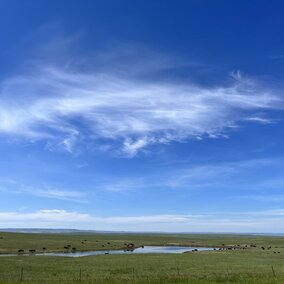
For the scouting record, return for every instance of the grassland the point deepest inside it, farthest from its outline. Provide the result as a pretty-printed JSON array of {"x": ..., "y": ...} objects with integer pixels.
[{"x": 250, "y": 265}]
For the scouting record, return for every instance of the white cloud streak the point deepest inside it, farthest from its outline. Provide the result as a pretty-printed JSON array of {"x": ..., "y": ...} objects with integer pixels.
[
  {"x": 262, "y": 221},
  {"x": 221, "y": 174},
  {"x": 206, "y": 176},
  {"x": 67, "y": 108},
  {"x": 14, "y": 187}
]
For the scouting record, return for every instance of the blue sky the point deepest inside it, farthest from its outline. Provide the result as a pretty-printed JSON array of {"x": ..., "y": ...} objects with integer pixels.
[{"x": 142, "y": 115}]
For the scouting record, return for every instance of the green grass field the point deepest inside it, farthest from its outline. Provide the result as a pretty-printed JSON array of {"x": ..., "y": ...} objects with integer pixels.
[{"x": 251, "y": 265}]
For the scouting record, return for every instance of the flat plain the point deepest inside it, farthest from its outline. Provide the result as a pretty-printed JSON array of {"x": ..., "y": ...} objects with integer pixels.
[{"x": 237, "y": 259}]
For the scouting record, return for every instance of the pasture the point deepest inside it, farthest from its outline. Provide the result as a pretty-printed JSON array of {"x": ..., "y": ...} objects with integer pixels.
[{"x": 253, "y": 262}]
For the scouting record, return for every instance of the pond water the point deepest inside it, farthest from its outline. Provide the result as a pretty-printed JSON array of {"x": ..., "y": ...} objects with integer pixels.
[{"x": 146, "y": 249}]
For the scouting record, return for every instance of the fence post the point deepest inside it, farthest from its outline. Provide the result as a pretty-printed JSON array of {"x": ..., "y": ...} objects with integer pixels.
[
  {"x": 21, "y": 277},
  {"x": 274, "y": 274},
  {"x": 80, "y": 275},
  {"x": 133, "y": 275}
]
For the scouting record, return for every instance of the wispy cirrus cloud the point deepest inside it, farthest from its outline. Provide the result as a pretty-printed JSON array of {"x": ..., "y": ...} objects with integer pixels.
[
  {"x": 279, "y": 56},
  {"x": 67, "y": 109},
  {"x": 267, "y": 198},
  {"x": 15, "y": 187},
  {"x": 220, "y": 174},
  {"x": 208, "y": 176}
]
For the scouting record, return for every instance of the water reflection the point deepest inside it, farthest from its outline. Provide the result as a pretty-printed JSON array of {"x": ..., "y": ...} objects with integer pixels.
[{"x": 143, "y": 250}]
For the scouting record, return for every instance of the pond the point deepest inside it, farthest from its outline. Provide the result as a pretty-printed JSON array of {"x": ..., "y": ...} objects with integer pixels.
[{"x": 145, "y": 249}]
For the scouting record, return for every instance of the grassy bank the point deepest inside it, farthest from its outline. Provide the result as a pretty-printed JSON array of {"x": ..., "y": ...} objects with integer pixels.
[
  {"x": 12, "y": 242},
  {"x": 203, "y": 267},
  {"x": 252, "y": 265}
]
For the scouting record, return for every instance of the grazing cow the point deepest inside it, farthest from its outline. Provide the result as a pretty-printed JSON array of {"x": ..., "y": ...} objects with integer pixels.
[
  {"x": 32, "y": 250},
  {"x": 20, "y": 250}
]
